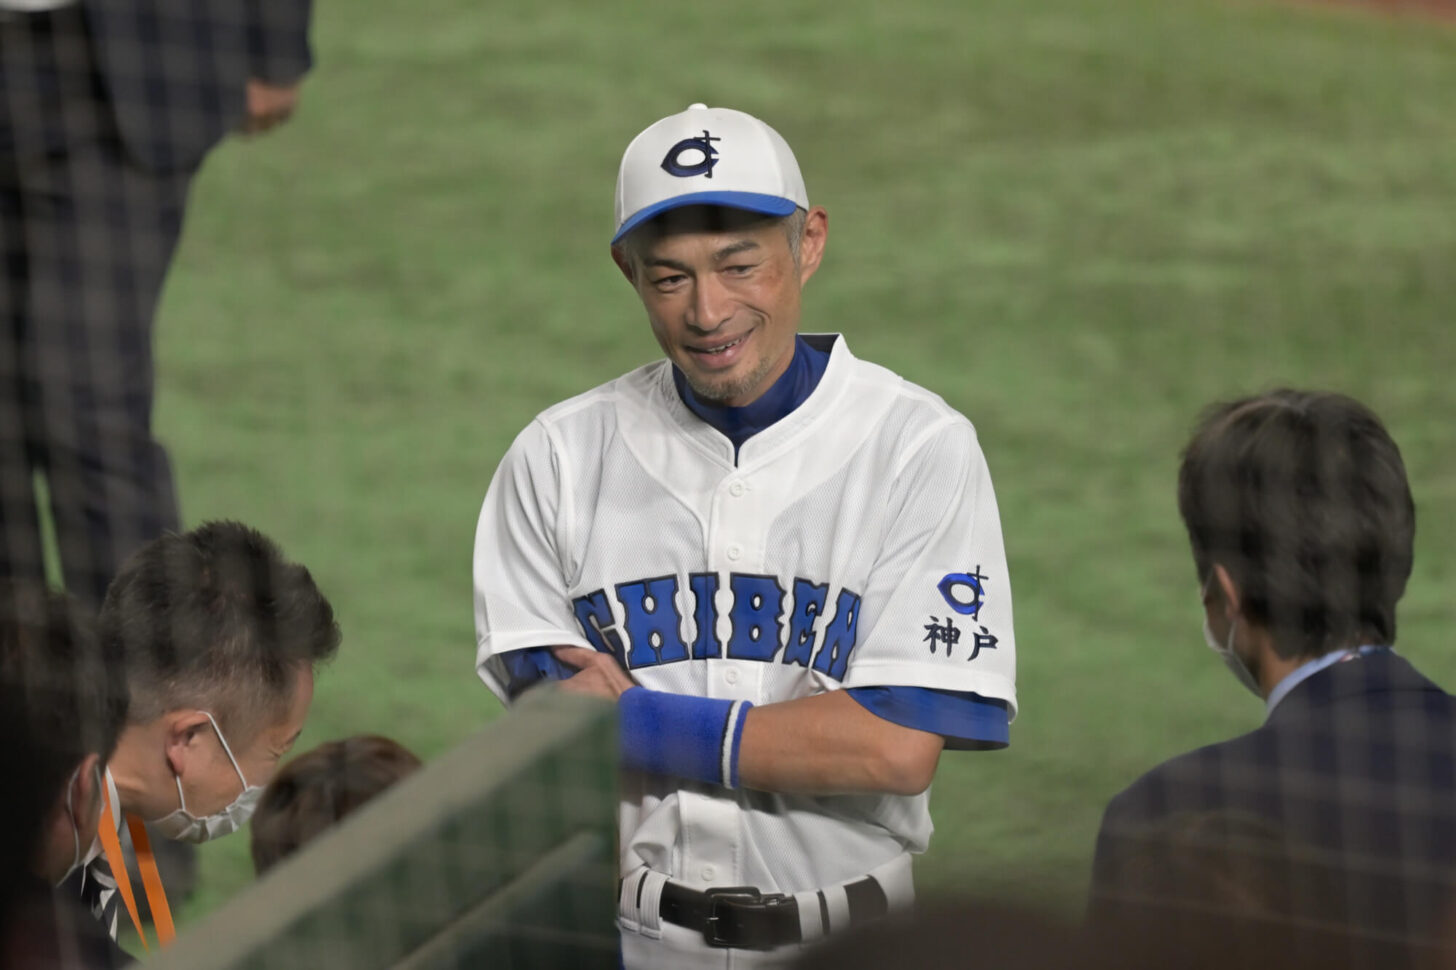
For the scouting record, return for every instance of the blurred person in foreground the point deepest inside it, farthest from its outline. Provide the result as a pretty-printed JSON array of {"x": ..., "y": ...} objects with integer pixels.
[
  {"x": 1301, "y": 523},
  {"x": 220, "y": 637},
  {"x": 63, "y": 701},
  {"x": 317, "y": 789},
  {"x": 995, "y": 934},
  {"x": 1003, "y": 934},
  {"x": 107, "y": 111}
]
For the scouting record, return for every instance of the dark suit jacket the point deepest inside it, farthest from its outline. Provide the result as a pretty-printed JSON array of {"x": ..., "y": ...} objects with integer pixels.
[
  {"x": 54, "y": 931},
  {"x": 175, "y": 70},
  {"x": 1353, "y": 777}
]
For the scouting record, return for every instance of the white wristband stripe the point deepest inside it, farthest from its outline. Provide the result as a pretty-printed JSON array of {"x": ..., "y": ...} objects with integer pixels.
[{"x": 730, "y": 731}]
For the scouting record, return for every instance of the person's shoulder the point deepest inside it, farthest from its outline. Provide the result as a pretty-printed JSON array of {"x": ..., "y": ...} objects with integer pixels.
[
  {"x": 913, "y": 415},
  {"x": 870, "y": 375},
  {"x": 1362, "y": 702},
  {"x": 1389, "y": 672},
  {"x": 1190, "y": 781},
  {"x": 586, "y": 422},
  {"x": 636, "y": 385}
]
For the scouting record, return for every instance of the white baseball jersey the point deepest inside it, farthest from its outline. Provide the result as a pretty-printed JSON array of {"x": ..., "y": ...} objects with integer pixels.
[{"x": 854, "y": 543}]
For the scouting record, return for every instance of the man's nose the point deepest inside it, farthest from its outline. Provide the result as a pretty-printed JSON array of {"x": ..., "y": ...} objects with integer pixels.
[{"x": 712, "y": 305}]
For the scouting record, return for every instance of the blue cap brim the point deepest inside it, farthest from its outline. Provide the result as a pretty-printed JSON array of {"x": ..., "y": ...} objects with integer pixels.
[{"x": 769, "y": 205}]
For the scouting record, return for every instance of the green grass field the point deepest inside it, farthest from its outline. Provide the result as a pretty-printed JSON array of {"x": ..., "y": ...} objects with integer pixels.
[{"x": 1078, "y": 220}]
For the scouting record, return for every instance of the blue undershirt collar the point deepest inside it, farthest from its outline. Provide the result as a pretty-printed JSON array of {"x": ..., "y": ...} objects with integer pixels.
[{"x": 785, "y": 394}]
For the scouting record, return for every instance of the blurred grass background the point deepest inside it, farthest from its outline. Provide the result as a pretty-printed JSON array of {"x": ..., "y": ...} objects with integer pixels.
[{"x": 1078, "y": 220}]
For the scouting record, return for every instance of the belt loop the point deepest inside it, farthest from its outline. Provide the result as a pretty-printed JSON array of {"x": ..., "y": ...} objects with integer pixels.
[
  {"x": 650, "y": 904},
  {"x": 812, "y": 923},
  {"x": 896, "y": 878},
  {"x": 639, "y": 902},
  {"x": 629, "y": 915},
  {"x": 835, "y": 901}
]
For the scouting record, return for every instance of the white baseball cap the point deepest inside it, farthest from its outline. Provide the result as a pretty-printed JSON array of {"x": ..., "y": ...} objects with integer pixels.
[{"x": 707, "y": 156}]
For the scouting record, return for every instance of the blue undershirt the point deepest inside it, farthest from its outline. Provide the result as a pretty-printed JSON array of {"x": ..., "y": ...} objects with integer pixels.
[
  {"x": 791, "y": 389},
  {"x": 965, "y": 720}
]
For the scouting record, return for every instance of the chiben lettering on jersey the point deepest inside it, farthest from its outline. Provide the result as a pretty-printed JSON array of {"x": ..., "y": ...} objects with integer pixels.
[{"x": 764, "y": 622}]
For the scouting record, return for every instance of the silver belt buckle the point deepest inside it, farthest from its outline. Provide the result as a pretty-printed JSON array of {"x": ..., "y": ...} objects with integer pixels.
[{"x": 714, "y": 935}]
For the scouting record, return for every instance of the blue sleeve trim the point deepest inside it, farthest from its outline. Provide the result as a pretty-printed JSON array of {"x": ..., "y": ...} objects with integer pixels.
[
  {"x": 529, "y": 666},
  {"x": 968, "y": 722}
]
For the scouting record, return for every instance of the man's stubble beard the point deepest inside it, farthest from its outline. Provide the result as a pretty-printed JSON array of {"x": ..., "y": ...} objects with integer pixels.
[{"x": 718, "y": 392}]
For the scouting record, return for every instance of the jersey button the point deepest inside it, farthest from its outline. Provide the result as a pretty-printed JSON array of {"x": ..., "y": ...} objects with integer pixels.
[
  {"x": 737, "y": 489},
  {"x": 730, "y": 677},
  {"x": 734, "y": 552},
  {"x": 709, "y": 873}
]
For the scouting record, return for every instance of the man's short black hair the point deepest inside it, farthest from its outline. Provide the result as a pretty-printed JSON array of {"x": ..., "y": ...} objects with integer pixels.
[
  {"x": 1303, "y": 498},
  {"x": 64, "y": 689},
  {"x": 216, "y": 619}
]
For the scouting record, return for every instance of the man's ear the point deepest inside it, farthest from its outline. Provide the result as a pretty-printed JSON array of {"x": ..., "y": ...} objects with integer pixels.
[
  {"x": 1230, "y": 592},
  {"x": 624, "y": 263},
  {"x": 812, "y": 243},
  {"x": 180, "y": 735},
  {"x": 86, "y": 798}
]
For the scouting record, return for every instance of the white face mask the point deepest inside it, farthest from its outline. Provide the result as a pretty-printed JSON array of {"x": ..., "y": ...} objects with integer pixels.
[
  {"x": 1232, "y": 660},
  {"x": 183, "y": 826}
]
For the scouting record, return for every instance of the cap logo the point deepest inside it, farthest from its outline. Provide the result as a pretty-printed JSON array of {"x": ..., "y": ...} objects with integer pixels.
[{"x": 708, "y": 157}]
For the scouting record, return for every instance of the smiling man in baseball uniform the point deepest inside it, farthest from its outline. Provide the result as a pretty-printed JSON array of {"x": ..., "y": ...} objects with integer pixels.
[{"x": 783, "y": 562}]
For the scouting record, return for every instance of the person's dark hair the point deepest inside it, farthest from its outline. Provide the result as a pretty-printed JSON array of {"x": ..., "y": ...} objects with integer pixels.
[
  {"x": 1303, "y": 498},
  {"x": 64, "y": 689},
  {"x": 216, "y": 619},
  {"x": 318, "y": 788}
]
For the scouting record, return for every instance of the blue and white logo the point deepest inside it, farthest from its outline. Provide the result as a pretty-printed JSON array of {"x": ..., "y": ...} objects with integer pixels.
[
  {"x": 964, "y": 592},
  {"x": 706, "y": 157}
]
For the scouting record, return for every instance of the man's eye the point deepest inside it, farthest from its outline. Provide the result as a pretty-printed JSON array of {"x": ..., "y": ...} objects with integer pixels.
[
  {"x": 672, "y": 280},
  {"x": 738, "y": 269}
]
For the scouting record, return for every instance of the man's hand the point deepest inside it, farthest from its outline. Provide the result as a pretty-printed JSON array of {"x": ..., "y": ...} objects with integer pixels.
[
  {"x": 597, "y": 674},
  {"x": 269, "y": 105}
]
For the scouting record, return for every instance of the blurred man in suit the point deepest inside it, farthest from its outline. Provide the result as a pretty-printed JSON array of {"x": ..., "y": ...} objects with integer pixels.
[
  {"x": 1302, "y": 525},
  {"x": 107, "y": 109}
]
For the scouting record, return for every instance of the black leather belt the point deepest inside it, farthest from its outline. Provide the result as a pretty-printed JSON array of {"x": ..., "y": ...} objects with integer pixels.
[{"x": 744, "y": 918}]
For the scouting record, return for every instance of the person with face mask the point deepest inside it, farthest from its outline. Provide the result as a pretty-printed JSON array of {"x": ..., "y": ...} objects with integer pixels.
[
  {"x": 220, "y": 636},
  {"x": 64, "y": 700},
  {"x": 1302, "y": 526}
]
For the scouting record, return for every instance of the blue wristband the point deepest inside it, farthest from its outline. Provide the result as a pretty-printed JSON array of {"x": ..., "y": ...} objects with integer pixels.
[{"x": 678, "y": 734}]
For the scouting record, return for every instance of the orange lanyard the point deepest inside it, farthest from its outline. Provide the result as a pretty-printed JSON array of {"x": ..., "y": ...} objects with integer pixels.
[{"x": 146, "y": 864}]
